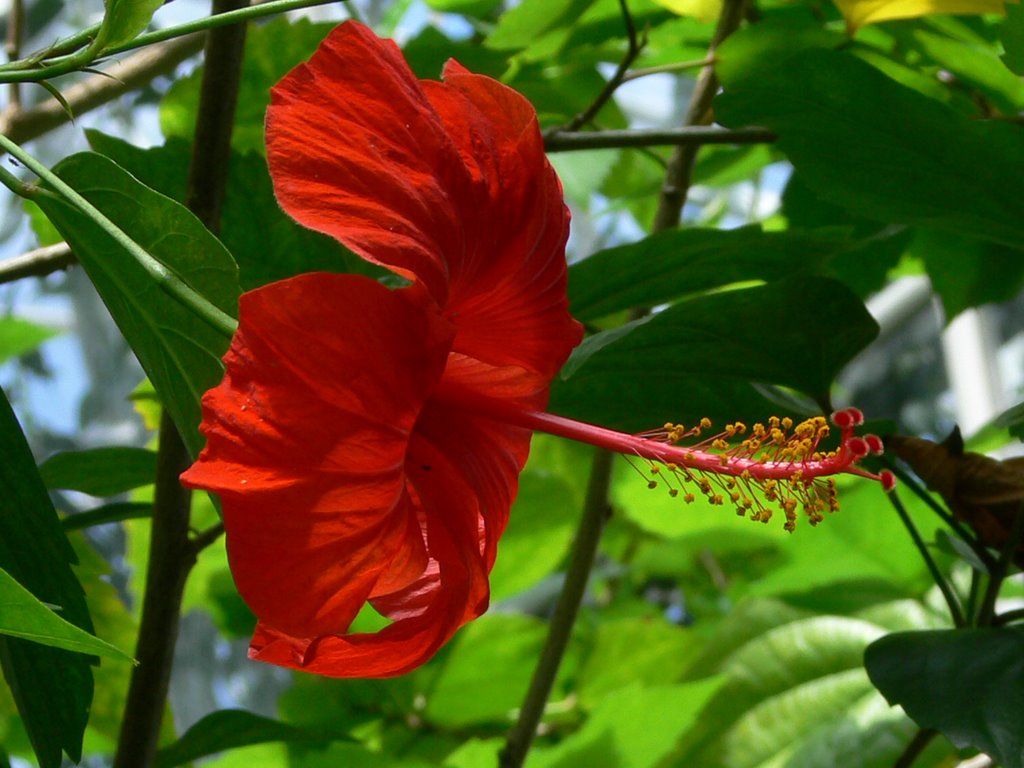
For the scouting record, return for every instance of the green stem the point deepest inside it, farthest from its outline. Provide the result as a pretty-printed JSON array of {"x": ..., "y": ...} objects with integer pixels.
[
  {"x": 161, "y": 275},
  {"x": 172, "y": 553},
  {"x": 30, "y": 70},
  {"x": 584, "y": 550},
  {"x": 213, "y": 22},
  {"x": 170, "y": 558},
  {"x": 1002, "y": 566},
  {"x": 952, "y": 601}
]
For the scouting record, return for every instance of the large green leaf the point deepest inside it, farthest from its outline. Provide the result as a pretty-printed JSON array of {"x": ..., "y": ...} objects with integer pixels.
[
  {"x": 636, "y": 727},
  {"x": 22, "y": 615},
  {"x": 19, "y": 336},
  {"x": 791, "y": 690},
  {"x": 266, "y": 243},
  {"x": 100, "y": 471},
  {"x": 966, "y": 683},
  {"x": 700, "y": 357},
  {"x": 229, "y": 729},
  {"x": 834, "y": 116},
  {"x": 178, "y": 350},
  {"x": 52, "y": 687},
  {"x": 507, "y": 647},
  {"x": 660, "y": 268}
]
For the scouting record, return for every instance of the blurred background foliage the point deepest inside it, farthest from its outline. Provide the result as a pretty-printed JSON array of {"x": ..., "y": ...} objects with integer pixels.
[{"x": 869, "y": 256}]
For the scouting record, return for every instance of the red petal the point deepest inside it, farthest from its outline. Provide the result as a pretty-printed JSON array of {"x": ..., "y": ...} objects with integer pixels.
[
  {"x": 356, "y": 152},
  {"x": 307, "y": 440},
  {"x": 447, "y": 183}
]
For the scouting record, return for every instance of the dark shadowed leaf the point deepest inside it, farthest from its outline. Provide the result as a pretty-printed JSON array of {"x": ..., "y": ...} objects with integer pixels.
[
  {"x": 179, "y": 351},
  {"x": 100, "y": 471},
  {"x": 698, "y": 357},
  {"x": 51, "y": 687},
  {"x": 966, "y": 683},
  {"x": 228, "y": 729},
  {"x": 665, "y": 266},
  {"x": 834, "y": 117}
]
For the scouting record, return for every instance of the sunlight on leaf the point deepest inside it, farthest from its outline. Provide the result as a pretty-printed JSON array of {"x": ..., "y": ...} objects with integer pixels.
[
  {"x": 22, "y": 615},
  {"x": 861, "y": 12},
  {"x": 702, "y": 10}
]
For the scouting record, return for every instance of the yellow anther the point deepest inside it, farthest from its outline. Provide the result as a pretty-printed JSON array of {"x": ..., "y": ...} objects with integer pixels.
[
  {"x": 688, "y": 498},
  {"x": 705, "y": 423}
]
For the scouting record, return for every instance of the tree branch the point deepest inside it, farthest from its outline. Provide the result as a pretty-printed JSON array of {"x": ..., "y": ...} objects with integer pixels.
[
  {"x": 695, "y": 135},
  {"x": 678, "y": 175},
  {"x": 172, "y": 552},
  {"x": 581, "y": 560},
  {"x": 37, "y": 263},
  {"x": 632, "y": 51}
]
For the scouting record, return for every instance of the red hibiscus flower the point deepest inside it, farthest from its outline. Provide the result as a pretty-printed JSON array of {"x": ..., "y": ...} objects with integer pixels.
[{"x": 366, "y": 443}]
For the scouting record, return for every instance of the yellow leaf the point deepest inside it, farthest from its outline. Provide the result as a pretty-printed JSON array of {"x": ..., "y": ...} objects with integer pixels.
[
  {"x": 702, "y": 10},
  {"x": 861, "y": 12}
]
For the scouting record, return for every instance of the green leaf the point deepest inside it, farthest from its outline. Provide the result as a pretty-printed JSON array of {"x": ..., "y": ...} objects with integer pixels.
[
  {"x": 504, "y": 645},
  {"x": 108, "y": 513},
  {"x": 271, "y": 50},
  {"x": 229, "y": 729},
  {"x": 833, "y": 115},
  {"x": 626, "y": 652},
  {"x": 966, "y": 683},
  {"x": 52, "y": 687},
  {"x": 699, "y": 357},
  {"x": 178, "y": 350},
  {"x": 543, "y": 518},
  {"x": 522, "y": 25},
  {"x": 22, "y": 615},
  {"x": 978, "y": 66},
  {"x": 478, "y": 8},
  {"x": 266, "y": 243},
  {"x": 1013, "y": 38},
  {"x": 787, "y": 691},
  {"x": 125, "y": 19},
  {"x": 967, "y": 273},
  {"x": 662, "y": 267},
  {"x": 100, "y": 471},
  {"x": 634, "y": 728},
  {"x": 19, "y": 336}
]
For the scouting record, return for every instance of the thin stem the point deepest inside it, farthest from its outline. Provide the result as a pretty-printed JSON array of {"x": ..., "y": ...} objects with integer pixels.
[
  {"x": 911, "y": 482},
  {"x": 12, "y": 46},
  {"x": 679, "y": 66},
  {"x": 1001, "y": 567},
  {"x": 124, "y": 76},
  {"x": 632, "y": 51},
  {"x": 215, "y": 21},
  {"x": 170, "y": 559},
  {"x": 172, "y": 551},
  {"x": 588, "y": 537},
  {"x": 581, "y": 560},
  {"x": 916, "y": 746},
  {"x": 694, "y": 135},
  {"x": 32, "y": 69},
  {"x": 1017, "y": 614},
  {"x": 676, "y": 185},
  {"x": 952, "y": 601},
  {"x": 161, "y": 275}
]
